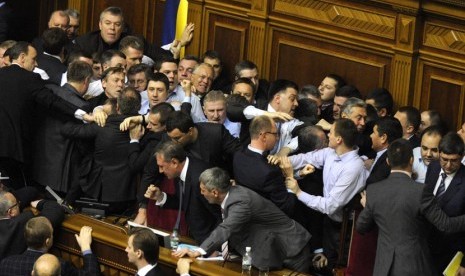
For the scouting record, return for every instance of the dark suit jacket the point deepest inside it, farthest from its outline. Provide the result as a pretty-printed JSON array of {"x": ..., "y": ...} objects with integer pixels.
[
  {"x": 414, "y": 141},
  {"x": 394, "y": 206},
  {"x": 253, "y": 171},
  {"x": 444, "y": 246},
  {"x": 111, "y": 175},
  {"x": 380, "y": 171},
  {"x": 52, "y": 66},
  {"x": 251, "y": 220},
  {"x": 21, "y": 265},
  {"x": 201, "y": 216},
  {"x": 214, "y": 145},
  {"x": 20, "y": 92},
  {"x": 12, "y": 230},
  {"x": 92, "y": 42},
  {"x": 56, "y": 158}
]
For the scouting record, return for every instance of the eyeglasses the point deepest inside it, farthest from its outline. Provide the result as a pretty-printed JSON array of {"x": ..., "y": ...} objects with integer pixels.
[
  {"x": 15, "y": 205},
  {"x": 272, "y": 133}
]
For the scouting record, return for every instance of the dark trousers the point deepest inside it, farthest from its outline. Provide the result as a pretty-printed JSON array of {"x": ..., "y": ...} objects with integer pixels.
[
  {"x": 300, "y": 262},
  {"x": 331, "y": 240}
]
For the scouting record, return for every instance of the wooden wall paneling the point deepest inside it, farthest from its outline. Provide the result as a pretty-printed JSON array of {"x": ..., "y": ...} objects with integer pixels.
[
  {"x": 227, "y": 35},
  {"x": 257, "y": 40},
  {"x": 156, "y": 15},
  {"x": 195, "y": 15},
  {"x": 344, "y": 18},
  {"x": 401, "y": 79},
  {"x": 444, "y": 38},
  {"x": 307, "y": 60},
  {"x": 441, "y": 89}
]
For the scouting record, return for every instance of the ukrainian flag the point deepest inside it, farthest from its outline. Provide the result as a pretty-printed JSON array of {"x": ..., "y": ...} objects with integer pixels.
[{"x": 174, "y": 21}]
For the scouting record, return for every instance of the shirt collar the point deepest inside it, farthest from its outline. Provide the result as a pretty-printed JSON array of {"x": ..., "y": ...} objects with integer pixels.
[
  {"x": 381, "y": 152},
  {"x": 57, "y": 57},
  {"x": 255, "y": 150},
  {"x": 448, "y": 175},
  {"x": 401, "y": 171},
  {"x": 143, "y": 271},
  {"x": 348, "y": 155},
  {"x": 270, "y": 108},
  {"x": 223, "y": 203},
  {"x": 183, "y": 174}
]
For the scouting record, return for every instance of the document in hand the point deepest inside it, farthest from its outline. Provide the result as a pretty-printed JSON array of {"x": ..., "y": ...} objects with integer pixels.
[
  {"x": 163, "y": 237},
  {"x": 454, "y": 264}
]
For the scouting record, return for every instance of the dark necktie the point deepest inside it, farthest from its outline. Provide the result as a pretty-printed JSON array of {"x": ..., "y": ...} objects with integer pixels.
[
  {"x": 442, "y": 186},
  {"x": 181, "y": 192}
]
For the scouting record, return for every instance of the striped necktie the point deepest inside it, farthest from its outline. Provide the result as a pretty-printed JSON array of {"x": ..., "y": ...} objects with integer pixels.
[{"x": 442, "y": 186}]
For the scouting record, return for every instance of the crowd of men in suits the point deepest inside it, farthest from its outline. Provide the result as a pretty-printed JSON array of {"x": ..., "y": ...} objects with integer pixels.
[{"x": 241, "y": 161}]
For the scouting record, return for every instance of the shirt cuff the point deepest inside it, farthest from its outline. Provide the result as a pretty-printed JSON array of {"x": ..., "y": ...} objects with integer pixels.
[
  {"x": 185, "y": 274},
  {"x": 86, "y": 252},
  {"x": 319, "y": 250},
  {"x": 187, "y": 100},
  {"x": 134, "y": 141},
  {"x": 251, "y": 112},
  {"x": 79, "y": 114},
  {"x": 161, "y": 202},
  {"x": 201, "y": 251}
]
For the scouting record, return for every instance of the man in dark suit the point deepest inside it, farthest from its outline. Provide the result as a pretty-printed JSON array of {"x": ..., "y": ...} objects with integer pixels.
[
  {"x": 328, "y": 87},
  {"x": 363, "y": 247},
  {"x": 20, "y": 92},
  {"x": 58, "y": 168},
  {"x": 51, "y": 59},
  {"x": 143, "y": 252},
  {"x": 111, "y": 32},
  {"x": 251, "y": 220},
  {"x": 110, "y": 176},
  {"x": 252, "y": 170},
  {"x": 38, "y": 234},
  {"x": 209, "y": 142},
  {"x": 394, "y": 204},
  {"x": 201, "y": 217},
  {"x": 12, "y": 220},
  {"x": 385, "y": 131},
  {"x": 249, "y": 70},
  {"x": 446, "y": 179},
  {"x": 410, "y": 119},
  {"x": 112, "y": 83}
]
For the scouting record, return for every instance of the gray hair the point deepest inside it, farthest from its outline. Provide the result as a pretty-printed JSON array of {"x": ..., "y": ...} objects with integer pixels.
[
  {"x": 216, "y": 178},
  {"x": 351, "y": 103},
  {"x": 116, "y": 11},
  {"x": 5, "y": 204},
  {"x": 72, "y": 13}
]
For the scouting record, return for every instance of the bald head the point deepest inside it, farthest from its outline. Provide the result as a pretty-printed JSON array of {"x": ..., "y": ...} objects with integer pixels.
[
  {"x": 47, "y": 265},
  {"x": 9, "y": 206},
  {"x": 59, "y": 19}
]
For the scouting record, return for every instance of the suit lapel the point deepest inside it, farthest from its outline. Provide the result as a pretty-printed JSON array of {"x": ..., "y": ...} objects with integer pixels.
[
  {"x": 188, "y": 186},
  {"x": 453, "y": 186}
]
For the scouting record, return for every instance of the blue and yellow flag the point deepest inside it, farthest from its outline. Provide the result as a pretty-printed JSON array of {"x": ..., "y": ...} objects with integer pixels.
[{"x": 174, "y": 21}]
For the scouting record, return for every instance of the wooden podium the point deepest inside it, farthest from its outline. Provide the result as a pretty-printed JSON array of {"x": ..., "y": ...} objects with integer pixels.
[{"x": 109, "y": 242}]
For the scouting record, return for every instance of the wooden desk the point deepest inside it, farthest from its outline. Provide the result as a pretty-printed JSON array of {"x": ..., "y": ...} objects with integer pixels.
[{"x": 109, "y": 243}]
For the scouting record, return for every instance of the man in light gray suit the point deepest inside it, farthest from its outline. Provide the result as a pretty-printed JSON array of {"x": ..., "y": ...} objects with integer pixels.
[
  {"x": 396, "y": 205},
  {"x": 251, "y": 220}
]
